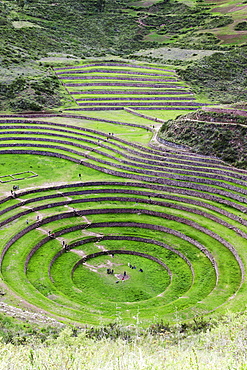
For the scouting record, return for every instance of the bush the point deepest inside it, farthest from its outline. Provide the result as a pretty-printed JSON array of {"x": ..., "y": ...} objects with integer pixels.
[
  {"x": 23, "y": 93},
  {"x": 241, "y": 26},
  {"x": 220, "y": 76},
  {"x": 227, "y": 143},
  {"x": 25, "y": 104}
]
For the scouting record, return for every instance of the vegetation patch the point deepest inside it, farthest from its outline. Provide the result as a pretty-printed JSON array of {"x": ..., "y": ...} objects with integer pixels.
[
  {"x": 220, "y": 76},
  {"x": 211, "y": 133},
  {"x": 171, "y": 53},
  {"x": 241, "y": 26},
  {"x": 25, "y": 93}
]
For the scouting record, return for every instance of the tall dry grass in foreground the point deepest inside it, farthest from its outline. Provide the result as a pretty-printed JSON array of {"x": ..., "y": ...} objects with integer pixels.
[{"x": 223, "y": 347}]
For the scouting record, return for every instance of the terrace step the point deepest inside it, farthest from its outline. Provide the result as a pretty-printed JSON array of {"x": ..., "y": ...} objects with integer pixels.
[{"x": 183, "y": 212}]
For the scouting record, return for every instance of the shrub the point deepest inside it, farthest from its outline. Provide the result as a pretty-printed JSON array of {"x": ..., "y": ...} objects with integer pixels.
[{"x": 241, "y": 26}]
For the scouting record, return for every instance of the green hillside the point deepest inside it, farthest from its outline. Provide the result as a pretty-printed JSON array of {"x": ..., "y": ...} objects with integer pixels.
[{"x": 31, "y": 29}]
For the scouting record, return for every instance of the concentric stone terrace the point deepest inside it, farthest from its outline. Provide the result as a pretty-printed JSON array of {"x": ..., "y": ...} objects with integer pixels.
[
  {"x": 107, "y": 86},
  {"x": 127, "y": 230}
]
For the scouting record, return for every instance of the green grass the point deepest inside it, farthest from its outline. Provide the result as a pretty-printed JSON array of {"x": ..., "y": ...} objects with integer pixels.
[
  {"x": 153, "y": 113},
  {"x": 49, "y": 170}
]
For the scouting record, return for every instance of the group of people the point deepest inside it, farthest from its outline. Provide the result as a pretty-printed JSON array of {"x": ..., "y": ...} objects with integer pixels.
[
  {"x": 124, "y": 276},
  {"x": 134, "y": 267},
  {"x": 110, "y": 271}
]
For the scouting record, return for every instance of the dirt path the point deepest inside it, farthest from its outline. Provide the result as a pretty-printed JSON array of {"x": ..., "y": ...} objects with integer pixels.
[
  {"x": 24, "y": 315},
  {"x": 238, "y": 112},
  {"x": 27, "y": 312},
  {"x": 216, "y": 123}
]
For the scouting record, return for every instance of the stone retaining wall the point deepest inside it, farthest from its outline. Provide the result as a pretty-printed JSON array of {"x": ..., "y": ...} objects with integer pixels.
[
  {"x": 134, "y": 164},
  {"x": 101, "y": 184},
  {"x": 130, "y": 176},
  {"x": 144, "y": 104},
  {"x": 126, "y": 168},
  {"x": 111, "y": 71},
  {"x": 111, "y": 64},
  {"x": 150, "y": 86},
  {"x": 128, "y": 78},
  {"x": 131, "y": 224},
  {"x": 134, "y": 92},
  {"x": 133, "y": 200},
  {"x": 159, "y": 156},
  {"x": 154, "y": 98}
]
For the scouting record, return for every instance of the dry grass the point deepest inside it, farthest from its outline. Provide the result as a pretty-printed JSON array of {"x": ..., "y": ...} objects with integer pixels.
[{"x": 222, "y": 348}]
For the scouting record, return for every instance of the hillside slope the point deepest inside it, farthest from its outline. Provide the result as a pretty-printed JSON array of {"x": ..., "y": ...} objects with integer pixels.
[
  {"x": 220, "y": 132},
  {"x": 30, "y": 29},
  {"x": 72, "y": 30}
]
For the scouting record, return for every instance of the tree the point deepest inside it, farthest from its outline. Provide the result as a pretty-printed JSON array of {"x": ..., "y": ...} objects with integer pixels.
[{"x": 100, "y": 5}]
